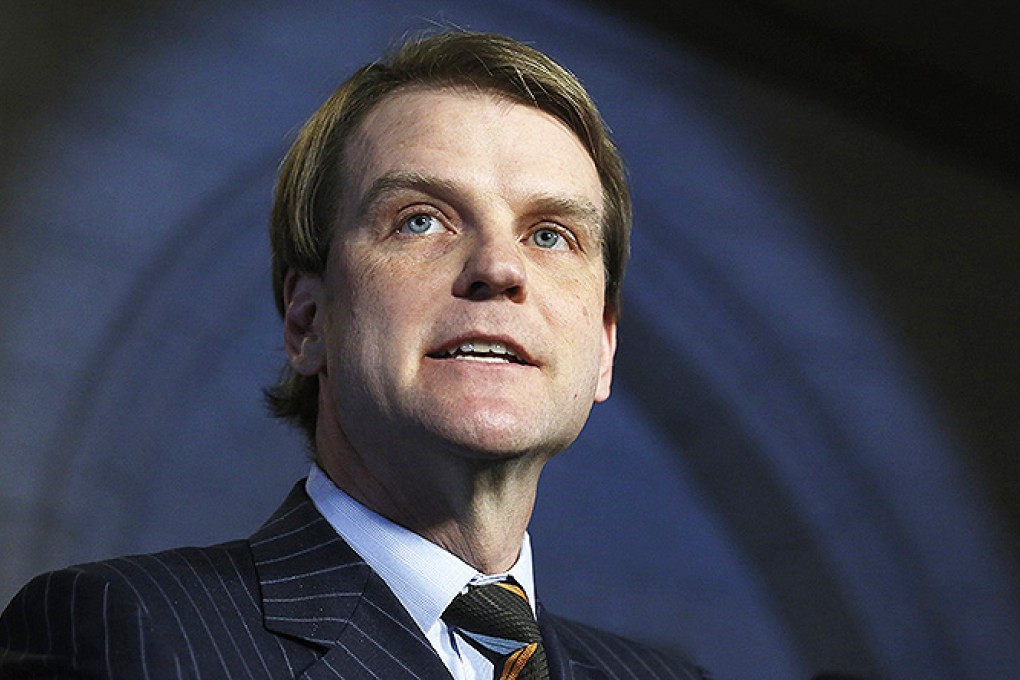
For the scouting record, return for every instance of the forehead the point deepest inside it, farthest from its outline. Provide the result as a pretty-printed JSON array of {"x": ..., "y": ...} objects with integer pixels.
[{"x": 473, "y": 136}]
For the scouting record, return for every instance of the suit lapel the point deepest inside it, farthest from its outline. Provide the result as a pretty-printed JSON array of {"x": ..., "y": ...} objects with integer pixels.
[
  {"x": 380, "y": 641},
  {"x": 317, "y": 589},
  {"x": 562, "y": 664}
]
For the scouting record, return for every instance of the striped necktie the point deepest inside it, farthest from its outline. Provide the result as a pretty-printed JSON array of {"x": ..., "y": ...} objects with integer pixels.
[{"x": 497, "y": 618}]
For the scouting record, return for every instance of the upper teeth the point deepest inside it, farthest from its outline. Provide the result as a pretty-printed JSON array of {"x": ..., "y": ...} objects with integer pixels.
[{"x": 483, "y": 347}]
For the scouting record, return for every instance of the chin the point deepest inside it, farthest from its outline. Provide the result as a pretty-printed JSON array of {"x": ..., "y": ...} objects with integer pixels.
[{"x": 502, "y": 436}]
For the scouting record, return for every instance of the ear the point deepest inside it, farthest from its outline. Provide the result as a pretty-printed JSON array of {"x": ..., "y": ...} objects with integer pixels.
[
  {"x": 302, "y": 323},
  {"x": 606, "y": 357}
]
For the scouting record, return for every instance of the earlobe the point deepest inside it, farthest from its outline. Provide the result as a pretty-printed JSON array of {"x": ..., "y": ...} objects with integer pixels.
[
  {"x": 606, "y": 359},
  {"x": 301, "y": 323}
]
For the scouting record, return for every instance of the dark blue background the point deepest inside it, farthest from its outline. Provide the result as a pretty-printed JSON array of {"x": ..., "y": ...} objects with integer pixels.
[{"x": 772, "y": 487}]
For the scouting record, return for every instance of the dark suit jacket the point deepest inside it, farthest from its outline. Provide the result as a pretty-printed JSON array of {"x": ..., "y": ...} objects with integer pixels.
[{"x": 292, "y": 601}]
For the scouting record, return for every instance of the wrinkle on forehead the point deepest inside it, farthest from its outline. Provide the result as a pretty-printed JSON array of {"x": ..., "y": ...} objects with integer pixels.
[{"x": 382, "y": 124}]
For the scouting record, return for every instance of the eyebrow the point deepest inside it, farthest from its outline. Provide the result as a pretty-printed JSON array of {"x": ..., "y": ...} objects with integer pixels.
[
  {"x": 402, "y": 181},
  {"x": 578, "y": 208}
]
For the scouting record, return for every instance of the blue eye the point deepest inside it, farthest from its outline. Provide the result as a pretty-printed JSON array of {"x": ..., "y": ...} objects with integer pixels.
[
  {"x": 419, "y": 224},
  {"x": 548, "y": 238}
]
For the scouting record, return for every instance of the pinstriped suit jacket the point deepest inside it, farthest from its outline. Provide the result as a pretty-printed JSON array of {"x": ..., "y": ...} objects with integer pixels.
[{"x": 294, "y": 600}]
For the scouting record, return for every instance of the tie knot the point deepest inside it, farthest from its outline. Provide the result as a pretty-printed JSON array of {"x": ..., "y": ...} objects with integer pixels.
[{"x": 498, "y": 610}]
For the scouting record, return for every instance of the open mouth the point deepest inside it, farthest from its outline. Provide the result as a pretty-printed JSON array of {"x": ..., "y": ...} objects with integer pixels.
[{"x": 481, "y": 350}]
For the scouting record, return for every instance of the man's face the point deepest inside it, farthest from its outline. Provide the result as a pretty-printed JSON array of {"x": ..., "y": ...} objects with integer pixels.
[{"x": 462, "y": 304}]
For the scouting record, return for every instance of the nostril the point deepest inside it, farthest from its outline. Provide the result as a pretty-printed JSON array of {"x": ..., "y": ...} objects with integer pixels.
[
  {"x": 479, "y": 289},
  {"x": 482, "y": 290}
]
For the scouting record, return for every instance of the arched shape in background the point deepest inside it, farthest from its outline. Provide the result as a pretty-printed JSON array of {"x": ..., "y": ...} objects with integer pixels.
[{"x": 770, "y": 481}]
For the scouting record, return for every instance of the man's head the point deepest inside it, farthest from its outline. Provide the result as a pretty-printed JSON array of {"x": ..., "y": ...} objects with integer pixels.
[{"x": 317, "y": 178}]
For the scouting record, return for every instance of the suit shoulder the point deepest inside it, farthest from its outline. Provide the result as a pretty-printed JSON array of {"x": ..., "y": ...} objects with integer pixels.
[
  {"x": 616, "y": 655},
  {"x": 152, "y": 582},
  {"x": 129, "y": 615},
  {"x": 175, "y": 562},
  {"x": 170, "y": 576}
]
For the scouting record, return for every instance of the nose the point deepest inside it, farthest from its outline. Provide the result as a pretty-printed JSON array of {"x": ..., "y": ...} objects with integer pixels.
[{"x": 493, "y": 267}]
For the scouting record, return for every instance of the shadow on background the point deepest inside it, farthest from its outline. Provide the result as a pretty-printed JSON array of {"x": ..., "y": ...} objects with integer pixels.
[{"x": 808, "y": 454}]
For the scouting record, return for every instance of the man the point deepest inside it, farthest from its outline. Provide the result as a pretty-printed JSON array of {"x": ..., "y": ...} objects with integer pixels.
[{"x": 449, "y": 236}]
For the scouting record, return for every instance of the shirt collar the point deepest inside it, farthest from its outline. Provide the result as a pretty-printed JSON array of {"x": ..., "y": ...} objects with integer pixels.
[{"x": 423, "y": 576}]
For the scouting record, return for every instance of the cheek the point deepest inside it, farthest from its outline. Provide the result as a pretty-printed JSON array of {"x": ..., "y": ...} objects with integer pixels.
[
  {"x": 384, "y": 299},
  {"x": 580, "y": 299},
  {"x": 578, "y": 322},
  {"x": 362, "y": 283}
]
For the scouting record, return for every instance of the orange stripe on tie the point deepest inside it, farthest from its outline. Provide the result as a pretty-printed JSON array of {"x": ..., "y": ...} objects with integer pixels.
[
  {"x": 516, "y": 662},
  {"x": 514, "y": 588}
]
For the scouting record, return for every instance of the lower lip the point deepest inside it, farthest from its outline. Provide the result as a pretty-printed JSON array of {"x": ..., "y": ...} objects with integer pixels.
[
  {"x": 481, "y": 361},
  {"x": 484, "y": 360}
]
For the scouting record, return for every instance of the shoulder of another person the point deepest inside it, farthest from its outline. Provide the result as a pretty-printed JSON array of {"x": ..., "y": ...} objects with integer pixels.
[{"x": 616, "y": 655}]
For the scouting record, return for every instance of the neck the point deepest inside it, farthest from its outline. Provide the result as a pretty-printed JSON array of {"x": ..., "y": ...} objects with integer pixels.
[{"x": 475, "y": 507}]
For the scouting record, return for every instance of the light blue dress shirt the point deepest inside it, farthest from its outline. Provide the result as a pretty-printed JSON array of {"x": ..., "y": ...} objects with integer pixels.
[{"x": 423, "y": 576}]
